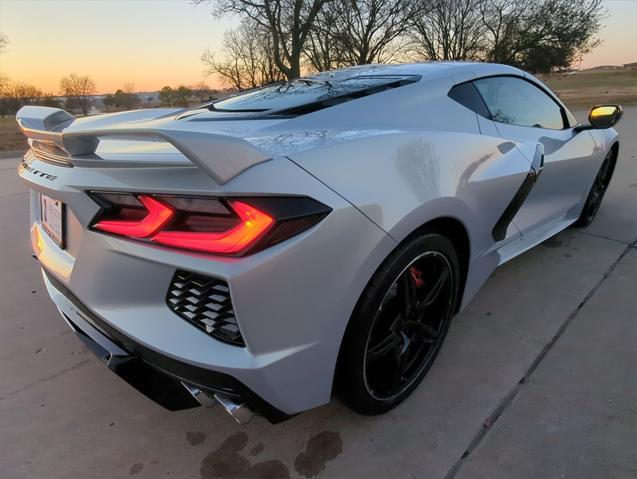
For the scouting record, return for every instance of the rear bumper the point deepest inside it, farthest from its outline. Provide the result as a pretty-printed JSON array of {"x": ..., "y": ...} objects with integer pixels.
[
  {"x": 167, "y": 381},
  {"x": 291, "y": 301}
]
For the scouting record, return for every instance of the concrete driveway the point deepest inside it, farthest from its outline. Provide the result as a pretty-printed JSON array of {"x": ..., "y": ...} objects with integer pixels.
[{"x": 538, "y": 378}]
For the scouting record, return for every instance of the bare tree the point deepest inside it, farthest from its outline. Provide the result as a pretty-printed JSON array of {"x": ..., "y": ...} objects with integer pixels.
[
  {"x": 17, "y": 94},
  {"x": 238, "y": 67},
  {"x": 270, "y": 71},
  {"x": 369, "y": 31},
  {"x": 448, "y": 30},
  {"x": 50, "y": 100},
  {"x": 536, "y": 35},
  {"x": 4, "y": 41},
  {"x": 202, "y": 91},
  {"x": 227, "y": 69},
  {"x": 503, "y": 21},
  {"x": 78, "y": 90},
  {"x": 246, "y": 61},
  {"x": 539, "y": 35},
  {"x": 323, "y": 49},
  {"x": 288, "y": 22},
  {"x": 4, "y": 81},
  {"x": 24, "y": 92}
]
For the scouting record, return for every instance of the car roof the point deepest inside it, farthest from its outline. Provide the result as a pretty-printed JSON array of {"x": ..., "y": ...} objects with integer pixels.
[{"x": 424, "y": 69}]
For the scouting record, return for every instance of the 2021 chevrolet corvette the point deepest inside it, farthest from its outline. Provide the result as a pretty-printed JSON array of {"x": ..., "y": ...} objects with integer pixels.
[{"x": 304, "y": 238}]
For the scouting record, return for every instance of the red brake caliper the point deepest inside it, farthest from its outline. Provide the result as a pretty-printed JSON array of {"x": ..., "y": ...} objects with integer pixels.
[{"x": 416, "y": 275}]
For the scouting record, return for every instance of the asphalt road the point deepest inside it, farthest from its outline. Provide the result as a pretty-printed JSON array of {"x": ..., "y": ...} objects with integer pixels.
[{"x": 538, "y": 378}]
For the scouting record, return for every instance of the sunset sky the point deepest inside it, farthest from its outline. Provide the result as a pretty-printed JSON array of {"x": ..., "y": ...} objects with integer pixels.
[{"x": 158, "y": 42}]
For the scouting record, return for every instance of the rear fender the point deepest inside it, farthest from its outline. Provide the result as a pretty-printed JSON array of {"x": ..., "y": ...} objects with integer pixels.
[{"x": 403, "y": 180}]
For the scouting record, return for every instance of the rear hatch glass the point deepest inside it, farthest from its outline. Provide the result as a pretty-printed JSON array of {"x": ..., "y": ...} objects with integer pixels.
[{"x": 308, "y": 94}]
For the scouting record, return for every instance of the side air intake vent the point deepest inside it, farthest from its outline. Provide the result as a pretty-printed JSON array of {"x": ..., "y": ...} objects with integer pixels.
[{"x": 205, "y": 302}]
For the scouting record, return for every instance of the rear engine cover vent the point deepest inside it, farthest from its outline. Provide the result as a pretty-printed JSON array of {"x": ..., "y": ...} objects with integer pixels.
[{"x": 206, "y": 303}]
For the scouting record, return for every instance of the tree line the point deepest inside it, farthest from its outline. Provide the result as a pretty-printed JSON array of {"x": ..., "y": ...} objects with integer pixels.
[
  {"x": 281, "y": 39},
  {"x": 77, "y": 91},
  {"x": 185, "y": 96},
  {"x": 77, "y": 95}
]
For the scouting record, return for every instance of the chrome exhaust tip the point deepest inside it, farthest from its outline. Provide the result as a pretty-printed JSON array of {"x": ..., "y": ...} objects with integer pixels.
[
  {"x": 201, "y": 397},
  {"x": 239, "y": 411}
]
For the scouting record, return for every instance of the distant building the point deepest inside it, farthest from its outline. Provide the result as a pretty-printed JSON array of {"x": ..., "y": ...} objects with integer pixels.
[{"x": 149, "y": 98}]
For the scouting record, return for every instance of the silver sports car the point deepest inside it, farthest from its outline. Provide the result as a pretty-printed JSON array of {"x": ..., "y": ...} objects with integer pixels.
[{"x": 304, "y": 239}]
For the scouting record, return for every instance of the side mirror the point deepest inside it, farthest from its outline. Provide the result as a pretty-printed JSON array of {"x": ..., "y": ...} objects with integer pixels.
[{"x": 601, "y": 117}]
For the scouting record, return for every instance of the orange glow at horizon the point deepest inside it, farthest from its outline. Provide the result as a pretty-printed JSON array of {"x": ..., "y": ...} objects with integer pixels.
[
  {"x": 156, "y": 43},
  {"x": 149, "y": 43}
]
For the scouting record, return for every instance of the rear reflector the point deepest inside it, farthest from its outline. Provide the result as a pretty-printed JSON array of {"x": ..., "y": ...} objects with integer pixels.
[{"x": 210, "y": 225}]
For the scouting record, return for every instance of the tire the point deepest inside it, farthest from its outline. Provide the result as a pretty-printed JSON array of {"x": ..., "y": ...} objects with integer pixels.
[
  {"x": 382, "y": 358},
  {"x": 597, "y": 191}
]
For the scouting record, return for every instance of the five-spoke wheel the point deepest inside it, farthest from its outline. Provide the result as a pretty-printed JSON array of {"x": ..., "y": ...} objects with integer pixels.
[
  {"x": 408, "y": 325},
  {"x": 399, "y": 324}
]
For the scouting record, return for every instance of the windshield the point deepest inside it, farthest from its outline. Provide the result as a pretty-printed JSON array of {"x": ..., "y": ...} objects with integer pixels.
[{"x": 304, "y": 91}]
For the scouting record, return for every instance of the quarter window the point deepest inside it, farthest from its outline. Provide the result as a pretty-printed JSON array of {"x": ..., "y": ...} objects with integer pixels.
[
  {"x": 467, "y": 95},
  {"x": 518, "y": 102}
]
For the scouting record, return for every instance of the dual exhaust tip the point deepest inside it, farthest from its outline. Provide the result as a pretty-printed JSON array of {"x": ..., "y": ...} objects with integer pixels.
[
  {"x": 131, "y": 368},
  {"x": 237, "y": 409}
]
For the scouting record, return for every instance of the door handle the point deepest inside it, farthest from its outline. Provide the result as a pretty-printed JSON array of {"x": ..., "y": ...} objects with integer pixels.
[{"x": 538, "y": 159}]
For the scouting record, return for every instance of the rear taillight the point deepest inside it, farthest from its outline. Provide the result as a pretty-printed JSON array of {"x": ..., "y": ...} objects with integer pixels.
[
  {"x": 228, "y": 226},
  {"x": 156, "y": 215}
]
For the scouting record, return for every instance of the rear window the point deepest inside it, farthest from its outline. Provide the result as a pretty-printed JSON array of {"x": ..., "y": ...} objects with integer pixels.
[{"x": 309, "y": 94}]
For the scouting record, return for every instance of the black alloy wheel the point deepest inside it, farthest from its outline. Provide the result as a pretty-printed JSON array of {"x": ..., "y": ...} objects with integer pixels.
[
  {"x": 399, "y": 325},
  {"x": 408, "y": 326},
  {"x": 596, "y": 194}
]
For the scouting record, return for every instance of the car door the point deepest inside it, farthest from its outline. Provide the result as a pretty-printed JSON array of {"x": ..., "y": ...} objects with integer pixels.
[{"x": 524, "y": 112}]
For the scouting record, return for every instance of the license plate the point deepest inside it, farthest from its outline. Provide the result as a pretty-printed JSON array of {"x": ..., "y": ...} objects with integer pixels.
[{"x": 52, "y": 212}]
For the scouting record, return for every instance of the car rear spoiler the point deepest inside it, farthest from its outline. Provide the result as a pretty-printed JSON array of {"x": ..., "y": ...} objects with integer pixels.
[{"x": 222, "y": 157}]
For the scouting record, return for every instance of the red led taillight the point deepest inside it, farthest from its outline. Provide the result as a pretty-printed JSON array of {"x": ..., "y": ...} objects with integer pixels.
[
  {"x": 158, "y": 214},
  {"x": 253, "y": 224},
  {"x": 210, "y": 225}
]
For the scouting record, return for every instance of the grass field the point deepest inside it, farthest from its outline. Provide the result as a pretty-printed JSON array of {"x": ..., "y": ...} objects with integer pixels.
[
  {"x": 10, "y": 137},
  {"x": 589, "y": 88},
  {"x": 581, "y": 90}
]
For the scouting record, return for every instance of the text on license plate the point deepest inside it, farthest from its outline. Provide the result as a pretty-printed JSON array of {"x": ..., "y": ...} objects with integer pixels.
[{"x": 52, "y": 212}]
